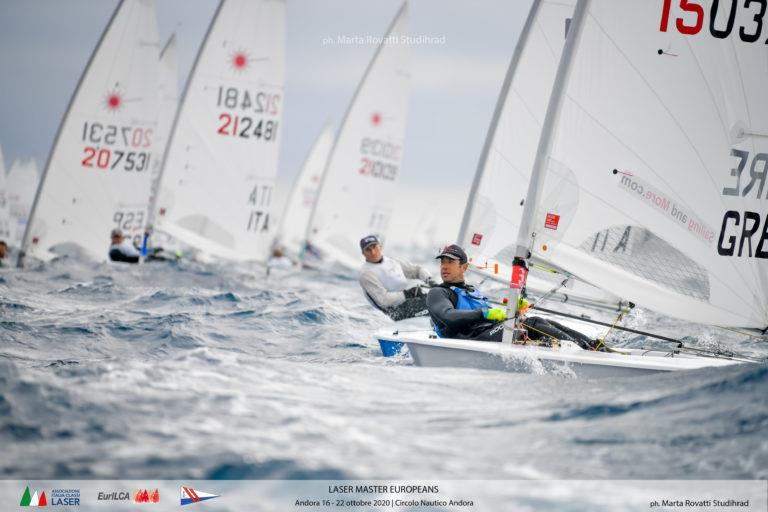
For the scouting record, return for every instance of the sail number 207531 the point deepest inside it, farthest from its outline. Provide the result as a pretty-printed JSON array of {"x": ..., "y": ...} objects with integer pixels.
[
  {"x": 110, "y": 146},
  {"x": 721, "y": 24}
]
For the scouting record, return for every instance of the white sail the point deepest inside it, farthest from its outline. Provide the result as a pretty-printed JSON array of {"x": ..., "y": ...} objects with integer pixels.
[
  {"x": 652, "y": 178},
  {"x": 219, "y": 172},
  {"x": 7, "y": 224},
  {"x": 298, "y": 207},
  {"x": 495, "y": 204},
  {"x": 21, "y": 185},
  {"x": 168, "y": 89},
  {"x": 99, "y": 170},
  {"x": 357, "y": 192}
]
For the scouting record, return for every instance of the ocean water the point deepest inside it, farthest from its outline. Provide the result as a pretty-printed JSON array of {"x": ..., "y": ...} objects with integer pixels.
[{"x": 192, "y": 371}]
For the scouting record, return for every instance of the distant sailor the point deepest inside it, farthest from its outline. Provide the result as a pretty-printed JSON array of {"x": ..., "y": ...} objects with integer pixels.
[
  {"x": 278, "y": 259},
  {"x": 121, "y": 249},
  {"x": 385, "y": 282},
  {"x": 3, "y": 252},
  {"x": 460, "y": 311}
]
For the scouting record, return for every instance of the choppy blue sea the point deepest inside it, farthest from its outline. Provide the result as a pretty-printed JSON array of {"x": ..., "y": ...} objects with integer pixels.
[{"x": 185, "y": 370}]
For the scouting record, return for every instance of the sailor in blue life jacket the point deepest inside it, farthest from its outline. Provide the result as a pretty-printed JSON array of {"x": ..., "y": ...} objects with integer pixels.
[
  {"x": 460, "y": 311},
  {"x": 385, "y": 282}
]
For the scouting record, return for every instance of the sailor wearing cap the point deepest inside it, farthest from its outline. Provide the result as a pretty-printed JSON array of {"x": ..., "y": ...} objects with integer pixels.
[
  {"x": 121, "y": 249},
  {"x": 385, "y": 282},
  {"x": 456, "y": 308},
  {"x": 459, "y": 311}
]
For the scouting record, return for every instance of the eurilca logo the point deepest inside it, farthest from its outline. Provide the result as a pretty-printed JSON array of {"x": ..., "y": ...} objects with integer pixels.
[
  {"x": 190, "y": 495},
  {"x": 33, "y": 500}
]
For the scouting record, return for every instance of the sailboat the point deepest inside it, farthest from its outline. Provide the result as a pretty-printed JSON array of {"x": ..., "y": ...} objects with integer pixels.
[
  {"x": 21, "y": 185},
  {"x": 357, "y": 191},
  {"x": 637, "y": 188},
  {"x": 293, "y": 224},
  {"x": 218, "y": 174},
  {"x": 98, "y": 172},
  {"x": 7, "y": 224},
  {"x": 168, "y": 89}
]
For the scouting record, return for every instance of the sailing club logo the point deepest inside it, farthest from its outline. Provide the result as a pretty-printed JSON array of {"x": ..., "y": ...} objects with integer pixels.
[
  {"x": 65, "y": 497},
  {"x": 190, "y": 495},
  {"x": 57, "y": 497},
  {"x": 113, "y": 496},
  {"x": 37, "y": 499},
  {"x": 146, "y": 496}
]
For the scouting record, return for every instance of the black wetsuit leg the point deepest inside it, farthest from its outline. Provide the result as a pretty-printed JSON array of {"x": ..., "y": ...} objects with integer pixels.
[
  {"x": 541, "y": 328},
  {"x": 411, "y": 308},
  {"x": 493, "y": 332},
  {"x": 116, "y": 255}
]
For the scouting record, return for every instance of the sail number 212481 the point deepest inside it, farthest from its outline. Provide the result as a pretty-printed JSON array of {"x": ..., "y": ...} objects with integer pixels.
[{"x": 253, "y": 107}]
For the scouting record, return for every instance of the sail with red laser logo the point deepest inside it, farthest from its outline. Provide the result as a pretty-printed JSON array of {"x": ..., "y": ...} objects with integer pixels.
[
  {"x": 98, "y": 175},
  {"x": 218, "y": 177}
]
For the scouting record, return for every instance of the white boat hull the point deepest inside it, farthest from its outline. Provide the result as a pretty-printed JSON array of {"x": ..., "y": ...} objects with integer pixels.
[{"x": 427, "y": 350}]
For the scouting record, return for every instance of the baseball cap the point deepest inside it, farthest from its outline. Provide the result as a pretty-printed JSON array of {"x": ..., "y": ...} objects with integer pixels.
[
  {"x": 454, "y": 252},
  {"x": 368, "y": 241}
]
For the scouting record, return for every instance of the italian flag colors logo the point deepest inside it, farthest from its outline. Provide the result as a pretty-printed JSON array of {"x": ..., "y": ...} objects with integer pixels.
[{"x": 33, "y": 500}]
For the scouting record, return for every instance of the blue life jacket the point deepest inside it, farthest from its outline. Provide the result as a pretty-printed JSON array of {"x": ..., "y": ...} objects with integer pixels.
[{"x": 466, "y": 300}]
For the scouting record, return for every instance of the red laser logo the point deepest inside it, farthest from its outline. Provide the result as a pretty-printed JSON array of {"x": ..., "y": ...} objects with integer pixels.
[{"x": 113, "y": 101}]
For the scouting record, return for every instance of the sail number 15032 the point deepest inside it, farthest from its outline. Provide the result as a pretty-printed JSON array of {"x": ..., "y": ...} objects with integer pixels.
[{"x": 720, "y": 24}]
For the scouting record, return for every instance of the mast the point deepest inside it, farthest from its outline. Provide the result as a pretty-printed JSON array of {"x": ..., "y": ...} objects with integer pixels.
[
  {"x": 31, "y": 217},
  {"x": 511, "y": 70},
  {"x": 156, "y": 188},
  {"x": 527, "y": 232}
]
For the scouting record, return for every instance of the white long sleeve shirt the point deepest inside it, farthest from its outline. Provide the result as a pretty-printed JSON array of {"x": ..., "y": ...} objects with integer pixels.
[{"x": 385, "y": 281}]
